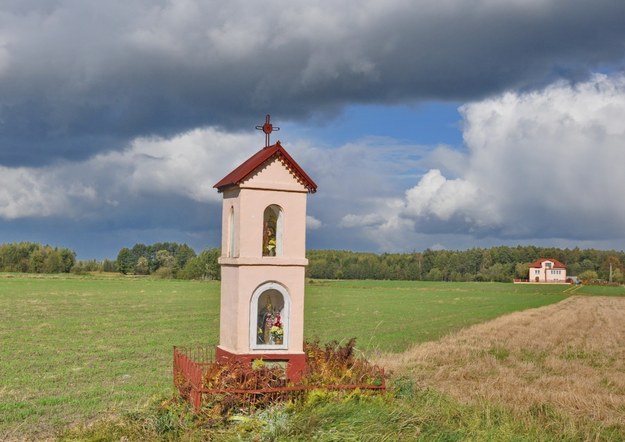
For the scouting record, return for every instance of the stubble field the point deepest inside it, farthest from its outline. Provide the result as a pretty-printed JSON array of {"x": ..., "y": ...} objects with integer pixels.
[{"x": 565, "y": 360}]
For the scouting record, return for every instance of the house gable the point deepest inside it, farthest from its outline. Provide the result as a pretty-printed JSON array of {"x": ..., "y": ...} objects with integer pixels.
[{"x": 547, "y": 263}]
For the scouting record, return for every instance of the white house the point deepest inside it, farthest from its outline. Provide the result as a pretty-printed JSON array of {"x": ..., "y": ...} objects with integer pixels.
[{"x": 547, "y": 270}]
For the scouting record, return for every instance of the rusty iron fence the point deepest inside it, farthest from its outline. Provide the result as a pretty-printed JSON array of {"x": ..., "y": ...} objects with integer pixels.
[{"x": 191, "y": 366}]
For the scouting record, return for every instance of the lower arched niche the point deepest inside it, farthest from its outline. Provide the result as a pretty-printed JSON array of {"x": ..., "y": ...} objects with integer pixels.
[{"x": 269, "y": 317}]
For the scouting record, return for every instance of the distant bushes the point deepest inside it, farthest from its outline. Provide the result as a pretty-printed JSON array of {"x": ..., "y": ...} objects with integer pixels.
[
  {"x": 83, "y": 267},
  {"x": 169, "y": 260},
  {"x": 142, "y": 259},
  {"x": 30, "y": 257},
  {"x": 203, "y": 266}
]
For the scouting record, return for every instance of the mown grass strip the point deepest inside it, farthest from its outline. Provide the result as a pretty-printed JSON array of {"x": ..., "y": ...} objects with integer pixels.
[{"x": 393, "y": 315}]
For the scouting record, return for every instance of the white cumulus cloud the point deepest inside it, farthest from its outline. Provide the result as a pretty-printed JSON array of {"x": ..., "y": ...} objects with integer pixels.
[
  {"x": 435, "y": 195},
  {"x": 540, "y": 164},
  {"x": 550, "y": 161},
  {"x": 313, "y": 223},
  {"x": 186, "y": 166}
]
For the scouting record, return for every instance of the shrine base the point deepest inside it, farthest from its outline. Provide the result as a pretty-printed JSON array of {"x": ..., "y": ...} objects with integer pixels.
[{"x": 295, "y": 363}]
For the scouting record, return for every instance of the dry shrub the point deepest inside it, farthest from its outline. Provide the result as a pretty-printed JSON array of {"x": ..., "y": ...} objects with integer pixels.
[
  {"x": 236, "y": 375},
  {"x": 333, "y": 364},
  {"x": 236, "y": 387}
]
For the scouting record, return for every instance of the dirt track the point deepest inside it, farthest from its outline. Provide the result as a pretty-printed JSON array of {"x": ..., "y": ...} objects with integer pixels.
[{"x": 569, "y": 357}]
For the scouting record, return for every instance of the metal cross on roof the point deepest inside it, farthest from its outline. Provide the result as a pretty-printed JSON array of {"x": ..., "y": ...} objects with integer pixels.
[{"x": 267, "y": 128}]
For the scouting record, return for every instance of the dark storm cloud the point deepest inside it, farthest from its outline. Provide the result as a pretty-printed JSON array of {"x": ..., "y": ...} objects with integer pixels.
[
  {"x": 80, "y": 77},
  {"x": 140, "y": 220}
]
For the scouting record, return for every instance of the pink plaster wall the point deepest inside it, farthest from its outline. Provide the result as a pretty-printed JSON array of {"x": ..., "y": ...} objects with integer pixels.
[
  {"x": 238, "y": 284},
  {"x": 247, "y": 269}
]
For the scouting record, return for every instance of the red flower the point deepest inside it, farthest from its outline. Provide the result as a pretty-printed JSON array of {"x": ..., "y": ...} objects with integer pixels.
[{"x": 277, "y": 322}]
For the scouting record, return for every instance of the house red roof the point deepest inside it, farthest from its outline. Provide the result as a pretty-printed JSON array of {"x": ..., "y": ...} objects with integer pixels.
[
  {"x": 241, "y": 173},
  {"x": 556, "y": 264}
]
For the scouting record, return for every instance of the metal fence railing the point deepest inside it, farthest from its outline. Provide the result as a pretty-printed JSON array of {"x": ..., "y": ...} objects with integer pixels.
[{"x": 243, "y": 388}]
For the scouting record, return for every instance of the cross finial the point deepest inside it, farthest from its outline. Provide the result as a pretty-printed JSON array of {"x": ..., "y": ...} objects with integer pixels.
[{"x": 267, "y": 128}]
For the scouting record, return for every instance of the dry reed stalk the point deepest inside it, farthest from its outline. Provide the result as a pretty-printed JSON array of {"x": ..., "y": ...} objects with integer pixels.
[{"x": 569, "y": 357}]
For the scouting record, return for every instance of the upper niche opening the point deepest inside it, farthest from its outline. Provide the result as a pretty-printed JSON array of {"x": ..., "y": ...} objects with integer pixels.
[{"x": 272, "y": 231}]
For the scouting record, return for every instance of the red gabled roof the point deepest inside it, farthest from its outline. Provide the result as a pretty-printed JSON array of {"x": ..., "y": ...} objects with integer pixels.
[
  {"x": 240, "y": 174},
  {"x": 556, "y": 264}
]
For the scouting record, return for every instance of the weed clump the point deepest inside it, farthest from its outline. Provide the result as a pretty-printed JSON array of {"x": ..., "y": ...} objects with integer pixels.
[{"x": 334, "y": 364}]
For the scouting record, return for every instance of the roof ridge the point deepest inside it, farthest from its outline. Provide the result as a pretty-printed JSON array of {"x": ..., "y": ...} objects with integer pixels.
[
  {"x": 558, "y": 264},
  {"x": 245, "y": 169}
]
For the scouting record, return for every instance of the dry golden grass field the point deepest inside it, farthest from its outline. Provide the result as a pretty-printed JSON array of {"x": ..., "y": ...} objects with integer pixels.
[{"x": 567, "y": 358}]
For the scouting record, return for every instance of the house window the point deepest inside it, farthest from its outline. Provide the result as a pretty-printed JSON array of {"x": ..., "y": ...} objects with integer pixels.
[
  {"x": 548, "y": 265},
  {"x": 272, "y": 231},
  {"x": 269, "y": 317}
]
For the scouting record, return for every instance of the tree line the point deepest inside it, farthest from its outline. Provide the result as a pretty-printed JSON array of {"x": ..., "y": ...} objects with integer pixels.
[
  {"x": 165, "y": 260},
  {"x": 169, "y": 260},
  {"x": 30, "y": 257},
  {"x": 173, "y": 260},
  {"x": 497, "y": 264}
]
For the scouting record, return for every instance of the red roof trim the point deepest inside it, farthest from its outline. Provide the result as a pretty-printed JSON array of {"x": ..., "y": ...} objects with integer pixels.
[
  {"x": 241, "y": 173},
  {"x": 556, "y": 264}
]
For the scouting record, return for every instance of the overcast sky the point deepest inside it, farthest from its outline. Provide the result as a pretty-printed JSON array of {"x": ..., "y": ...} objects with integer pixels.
[{"x": 449, "y": 124}]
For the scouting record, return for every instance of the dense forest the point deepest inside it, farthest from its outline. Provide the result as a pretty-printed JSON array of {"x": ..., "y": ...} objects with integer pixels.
[
  {"x": 172, "y": 260},
  {"x": 501, "y": 264}
]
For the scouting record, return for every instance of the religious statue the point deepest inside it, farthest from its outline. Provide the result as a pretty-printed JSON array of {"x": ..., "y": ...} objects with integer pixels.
[
  {"x": 269, "y": 241},
  {"x": 270, "y": 328},
  {"x": 265, "y": 322}
]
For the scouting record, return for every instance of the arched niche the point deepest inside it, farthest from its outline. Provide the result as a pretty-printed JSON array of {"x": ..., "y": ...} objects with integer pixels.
[
  {"x": 269, "y": 317},
  {"x": 272, "y": 231}
]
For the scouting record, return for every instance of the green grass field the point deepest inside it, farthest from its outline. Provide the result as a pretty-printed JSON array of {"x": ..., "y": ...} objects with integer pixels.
[
  {"x": 73, "y": 349},
  {"x": 392, "y": 315}
]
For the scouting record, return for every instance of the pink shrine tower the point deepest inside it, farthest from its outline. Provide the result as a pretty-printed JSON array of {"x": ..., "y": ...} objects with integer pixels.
[{"x": 263, "y": 259}]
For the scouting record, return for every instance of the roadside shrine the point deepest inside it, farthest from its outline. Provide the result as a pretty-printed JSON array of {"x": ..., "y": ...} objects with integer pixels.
[
  {"x": 264, "y": 258},
  {"x": 263, "y": 262}
]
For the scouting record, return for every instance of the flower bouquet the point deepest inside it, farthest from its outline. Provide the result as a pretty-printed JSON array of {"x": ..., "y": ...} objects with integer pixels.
[{"x": 277, "y": 331}]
